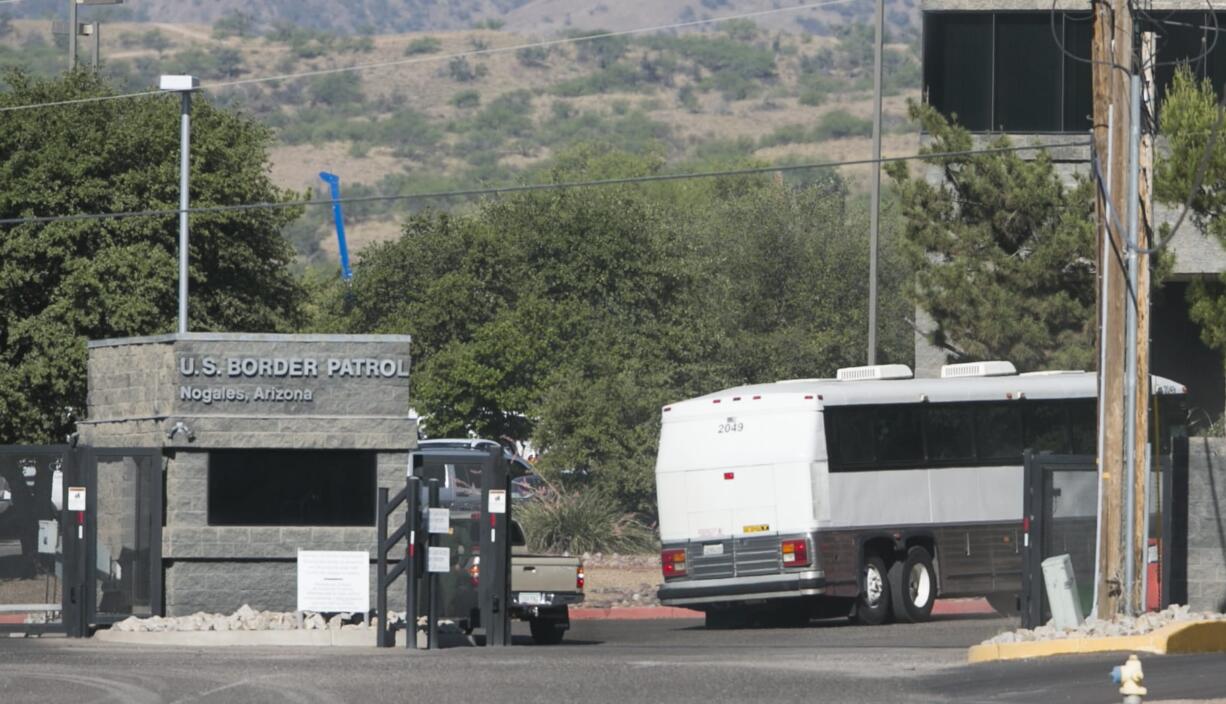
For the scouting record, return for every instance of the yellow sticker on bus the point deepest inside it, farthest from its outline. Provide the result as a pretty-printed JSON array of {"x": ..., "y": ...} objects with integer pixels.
[{"x": 759, "y": 528}]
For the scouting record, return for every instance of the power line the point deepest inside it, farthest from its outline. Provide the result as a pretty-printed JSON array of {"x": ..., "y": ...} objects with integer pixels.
[
  {"x": 447, "y": 57},
  {"x": 502, "y": 190}
]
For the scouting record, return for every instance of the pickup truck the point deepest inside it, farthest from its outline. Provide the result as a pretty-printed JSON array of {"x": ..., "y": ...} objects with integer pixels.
[{"x": 543, "y": 587}]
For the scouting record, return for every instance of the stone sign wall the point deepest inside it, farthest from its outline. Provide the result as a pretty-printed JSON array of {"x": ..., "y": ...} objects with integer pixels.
[{"x": 238, "y": 390}]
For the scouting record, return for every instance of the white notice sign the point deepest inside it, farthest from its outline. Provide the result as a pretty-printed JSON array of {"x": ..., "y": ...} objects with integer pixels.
[
  {"x": 334, "y": 581},
  {"x": 438, "y": 560},
  {"x": 498, "y": 501},
  {"x": 440, "y": 520},
  {"x": 76, "y": 498}
]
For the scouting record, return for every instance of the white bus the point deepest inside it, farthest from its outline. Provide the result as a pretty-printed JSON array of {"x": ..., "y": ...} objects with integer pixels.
[{"x": 869, "y": 494}]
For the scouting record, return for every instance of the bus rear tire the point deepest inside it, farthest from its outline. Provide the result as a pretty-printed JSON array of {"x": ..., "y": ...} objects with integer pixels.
[
  {"x": 873, "y": 605},
  {"x": 913, "y": 586}
]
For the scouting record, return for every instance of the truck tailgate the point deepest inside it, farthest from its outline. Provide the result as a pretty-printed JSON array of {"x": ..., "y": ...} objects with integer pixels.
[{"x": 543, "y": 573}]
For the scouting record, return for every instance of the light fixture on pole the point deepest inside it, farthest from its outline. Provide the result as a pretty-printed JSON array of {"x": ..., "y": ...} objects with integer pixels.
[
  {"x": 184, "y": 86},
  {"x": 74, "y": 29}
]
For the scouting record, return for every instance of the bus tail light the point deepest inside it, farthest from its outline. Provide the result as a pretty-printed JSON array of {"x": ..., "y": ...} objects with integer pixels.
[
  {"x": 795, "y": 553},
  {"x": 580, "y": 578},
  {"x": 672, "y": 562}
]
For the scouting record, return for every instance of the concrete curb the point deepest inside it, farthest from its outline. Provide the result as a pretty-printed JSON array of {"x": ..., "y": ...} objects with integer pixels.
[
  {"x": 943, "y": 607},
  {"x": 346, "y": 638},
  {"x": 1196, "y": 637}
]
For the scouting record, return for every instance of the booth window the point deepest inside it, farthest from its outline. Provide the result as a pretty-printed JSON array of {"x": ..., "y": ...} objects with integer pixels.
[{"x": 291, "y": 488}]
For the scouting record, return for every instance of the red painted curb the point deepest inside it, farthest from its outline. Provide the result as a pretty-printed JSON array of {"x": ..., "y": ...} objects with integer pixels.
[
  {"x": 943, "y": 607},
  {"x": 962, "y": 607},
  {"x": 633, "y": 613}
]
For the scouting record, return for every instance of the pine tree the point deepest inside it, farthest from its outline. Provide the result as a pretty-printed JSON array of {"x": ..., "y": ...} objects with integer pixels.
[{"x": 1003, "y": 250}]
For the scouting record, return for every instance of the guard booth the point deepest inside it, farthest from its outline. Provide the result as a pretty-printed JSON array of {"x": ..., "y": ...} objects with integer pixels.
[
  {"x": 205, "y": 463},
  {"x": 80, "y": 537},
  {"x": 455, "y": 556},
  {"x": 1061, "y": 518}
]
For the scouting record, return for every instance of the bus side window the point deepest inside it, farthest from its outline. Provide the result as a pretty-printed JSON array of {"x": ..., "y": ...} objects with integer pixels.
[
  {"x": 949, "y": 432},
  {"x": 898, "y": 436},
  {"x": 853, "y": 435},
  {"x": 998, "y": 429},
  {"x": 1083, "y": 427},
  {"x": 1046, "y": 426},
  {"x": 517, "y": 535}
]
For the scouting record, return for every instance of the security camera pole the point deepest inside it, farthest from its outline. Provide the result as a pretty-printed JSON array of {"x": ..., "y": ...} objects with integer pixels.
[
  {"x": 184, "y": 86},
  {"x": 74, "y": 29}
]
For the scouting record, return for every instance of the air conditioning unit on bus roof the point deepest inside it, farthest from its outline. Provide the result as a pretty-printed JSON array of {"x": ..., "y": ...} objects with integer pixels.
[
  {"x": 955, "y": 371},
  {"x": 875, "y": 373}
]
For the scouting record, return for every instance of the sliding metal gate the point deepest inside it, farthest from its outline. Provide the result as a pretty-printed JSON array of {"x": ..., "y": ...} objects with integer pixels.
[
  {"x": 1061, "y": 513},
  {"x": 80, "y": 537}
]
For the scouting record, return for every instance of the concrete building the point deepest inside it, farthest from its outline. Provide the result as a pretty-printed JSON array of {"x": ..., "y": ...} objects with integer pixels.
[
  {"x": 997, "y": 67},
  {"x": 269, "y": 444}
]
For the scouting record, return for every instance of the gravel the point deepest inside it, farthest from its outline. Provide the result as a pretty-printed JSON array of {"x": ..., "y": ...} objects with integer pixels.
[
  {"x": 248, "y": 619},
  {"x": 1097, "y": 628}
]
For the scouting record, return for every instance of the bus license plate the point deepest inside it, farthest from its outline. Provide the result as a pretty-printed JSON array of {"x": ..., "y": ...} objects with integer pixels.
[
  {"x": 716, "y": 549},
  {"x": 531, "y": 598}
]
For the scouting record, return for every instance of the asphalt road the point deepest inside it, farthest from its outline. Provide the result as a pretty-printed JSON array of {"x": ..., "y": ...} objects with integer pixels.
[{"x": 601, "y": 661}]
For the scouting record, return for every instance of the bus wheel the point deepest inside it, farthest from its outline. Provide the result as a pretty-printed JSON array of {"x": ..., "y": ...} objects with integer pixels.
[
  {"x": 913, "y": 586},
  {"x": 873, "y": 606}
]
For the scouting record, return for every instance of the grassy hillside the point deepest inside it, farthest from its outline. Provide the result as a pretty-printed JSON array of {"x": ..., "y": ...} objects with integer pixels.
[
  {"x": 735, "y": 94},
  {"x": 533, "y": 16}
]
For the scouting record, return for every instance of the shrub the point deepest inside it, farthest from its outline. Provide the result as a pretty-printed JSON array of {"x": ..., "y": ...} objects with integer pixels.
[
  {"x": 532, "y": 56},
  {"x": 788, "y": 134},
  {"x": 838, "y": 124},
  {"x": 741, "y": 30},
  {"x": 603, "y": 51},
  {"x": 234, "y": 24},
  {"x": 423, "y": 45},
  {"x": 462, "y": 72},
  {"x": 581, "y": 521},
  {"x": 688, "y": 98},
  {"x": 335, "y": 89},
  {"x": 466, "y": 99}
]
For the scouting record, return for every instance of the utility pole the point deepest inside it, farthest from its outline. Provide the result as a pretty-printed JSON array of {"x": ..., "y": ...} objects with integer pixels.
[
  {"x": 1112, "y": 54},
  {"x": 1142, "y": 449},
  {"x": 874, "y": 207}
]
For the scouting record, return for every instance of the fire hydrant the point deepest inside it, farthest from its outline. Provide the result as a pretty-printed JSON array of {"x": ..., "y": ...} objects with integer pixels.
[{"x": 1130, "y": 678}]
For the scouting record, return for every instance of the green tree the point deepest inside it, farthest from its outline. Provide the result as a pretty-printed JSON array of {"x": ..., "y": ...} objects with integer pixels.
[
  {"x": 1003, "y": 252},
  {"x": 570, "y": 317},
  {"x": 1189, "y": 114},
  {"x": 66, "y": 282}
]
